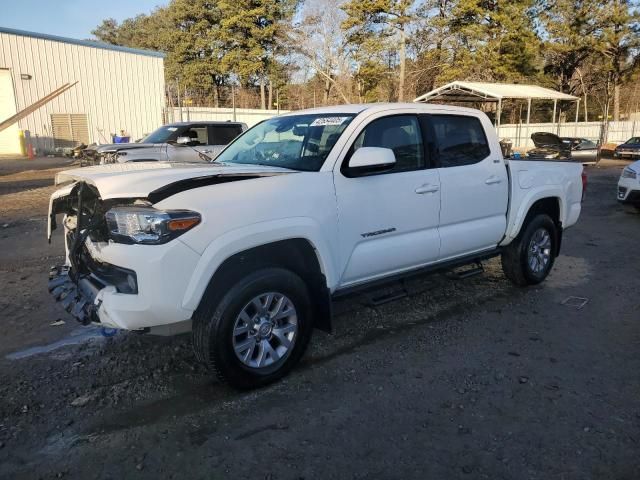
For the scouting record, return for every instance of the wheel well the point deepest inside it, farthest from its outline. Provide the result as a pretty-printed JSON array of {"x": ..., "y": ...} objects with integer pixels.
[
  {"x": 297, "y": 255},
  {"x": 551, "y": 207}
]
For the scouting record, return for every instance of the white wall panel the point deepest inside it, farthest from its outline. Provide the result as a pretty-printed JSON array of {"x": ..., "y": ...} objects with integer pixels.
[{"x": 116, "y": 89}]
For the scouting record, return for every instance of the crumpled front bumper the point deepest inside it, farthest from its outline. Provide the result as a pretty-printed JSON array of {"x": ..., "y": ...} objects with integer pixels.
[{"x": 77, "y": 298}]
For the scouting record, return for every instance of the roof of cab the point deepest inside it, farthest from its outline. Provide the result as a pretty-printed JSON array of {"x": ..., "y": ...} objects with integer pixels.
[
  {"x": 204, "y": 122},
  {"x": 356, "y": 108}
]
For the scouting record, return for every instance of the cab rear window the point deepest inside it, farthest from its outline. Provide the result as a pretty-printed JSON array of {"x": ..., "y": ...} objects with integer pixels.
[{"x": 223, "y": 134}]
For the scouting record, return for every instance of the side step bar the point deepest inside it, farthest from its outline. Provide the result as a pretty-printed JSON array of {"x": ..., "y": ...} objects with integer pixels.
[
  {"x": 474, "y": 259},
  {"x": 376, "y": 299},
  {"x": 470, "y": 271}
]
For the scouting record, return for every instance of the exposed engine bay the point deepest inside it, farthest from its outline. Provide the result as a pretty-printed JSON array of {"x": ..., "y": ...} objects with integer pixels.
[{"x": 77, "y": 283}]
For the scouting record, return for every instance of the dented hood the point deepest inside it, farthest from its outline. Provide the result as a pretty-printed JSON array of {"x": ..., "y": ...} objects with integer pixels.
[{"x": 139, "y": 179}]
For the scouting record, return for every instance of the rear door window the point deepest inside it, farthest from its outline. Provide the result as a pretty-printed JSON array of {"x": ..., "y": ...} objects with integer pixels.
[
  {"x": 223, "y": 134},
  {"x": 460, "y": 140}
]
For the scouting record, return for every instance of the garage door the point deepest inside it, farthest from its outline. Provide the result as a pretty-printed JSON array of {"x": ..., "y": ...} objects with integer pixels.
[
  {"x": 9, "y": 137},
  {"x": 69, "y": 129}
]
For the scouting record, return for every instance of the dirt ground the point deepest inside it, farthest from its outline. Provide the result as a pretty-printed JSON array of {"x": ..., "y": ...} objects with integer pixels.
[{"x": 464, "y": 379}]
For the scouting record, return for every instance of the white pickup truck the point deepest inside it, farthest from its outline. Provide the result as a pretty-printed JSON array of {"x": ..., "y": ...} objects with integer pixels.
[{"x": 249, "y": 251}]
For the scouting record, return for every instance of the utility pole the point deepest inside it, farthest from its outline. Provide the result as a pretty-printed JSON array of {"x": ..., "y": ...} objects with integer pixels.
[
  {"x": 233, "y": 101},
  {"x": 179, "y": 102}
]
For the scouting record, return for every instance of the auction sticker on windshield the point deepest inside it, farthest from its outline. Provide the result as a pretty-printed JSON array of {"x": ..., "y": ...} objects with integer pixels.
[{"x": 318, "y": 122}]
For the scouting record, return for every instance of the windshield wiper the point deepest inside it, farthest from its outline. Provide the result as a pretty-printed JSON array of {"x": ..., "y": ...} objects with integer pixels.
[{"x": 203, "y": 156}]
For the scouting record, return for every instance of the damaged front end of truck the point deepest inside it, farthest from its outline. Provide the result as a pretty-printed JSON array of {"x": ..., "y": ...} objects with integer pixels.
[{"x": 77, "y": 283}]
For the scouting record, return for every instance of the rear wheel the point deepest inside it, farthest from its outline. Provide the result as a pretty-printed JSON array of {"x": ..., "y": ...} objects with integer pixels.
[
  {"x": 257, "y": 331},
  {"x": 529, "y": 258}
]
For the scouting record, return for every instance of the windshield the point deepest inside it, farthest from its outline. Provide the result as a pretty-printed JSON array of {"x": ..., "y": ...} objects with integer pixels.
[
  {"x": 298, "y": 142},
  {"x": 162, "y": 135},
  {"x": 633, "y": 140}
]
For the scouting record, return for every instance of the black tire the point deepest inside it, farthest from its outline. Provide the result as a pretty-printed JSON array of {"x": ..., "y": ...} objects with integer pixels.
[
  {"x": 515, "y": 264},
  {"x": 214, "y": 321}
]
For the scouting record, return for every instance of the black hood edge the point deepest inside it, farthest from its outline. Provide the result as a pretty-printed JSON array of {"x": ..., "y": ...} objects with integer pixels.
[{"x": 190, "y": 183}]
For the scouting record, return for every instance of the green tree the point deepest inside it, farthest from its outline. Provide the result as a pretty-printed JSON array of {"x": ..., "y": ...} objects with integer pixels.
[
  {"x": 107, "y": 31},
  {"x": 194, "y": 52},
  {"x": 619, "y": 45},
  {"x": 571, "y": 28},
  {"x": 378, "y": 26},
  {"x": 187, "y": 31},
  {"x": 253, "y": 34},
  {"x": 494, "y": 40}
]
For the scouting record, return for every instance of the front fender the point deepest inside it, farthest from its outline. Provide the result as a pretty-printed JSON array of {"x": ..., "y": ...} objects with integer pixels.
[{"x": 255, "y": 235}]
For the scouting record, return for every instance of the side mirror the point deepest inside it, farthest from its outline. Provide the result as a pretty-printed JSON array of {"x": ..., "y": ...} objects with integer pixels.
[
  {"x": 183, "y": 140},
  {"x": 367, "y": 160}
]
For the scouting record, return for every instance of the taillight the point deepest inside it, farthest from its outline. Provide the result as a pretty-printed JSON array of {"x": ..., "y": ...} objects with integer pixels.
[{"x": 584, "y": 184}]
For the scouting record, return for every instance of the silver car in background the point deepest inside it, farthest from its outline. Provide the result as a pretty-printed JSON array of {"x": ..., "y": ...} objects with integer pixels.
[
  {"x": 550, "y": 146},
  {"x": 198, "y": 141}
]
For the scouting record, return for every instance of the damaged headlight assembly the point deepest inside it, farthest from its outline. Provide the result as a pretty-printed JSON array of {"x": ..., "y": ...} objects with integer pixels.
[{"x": 148, "y": 226}]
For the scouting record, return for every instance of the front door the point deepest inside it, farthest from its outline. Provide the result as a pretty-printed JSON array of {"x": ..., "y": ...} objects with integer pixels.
[
  {"x": 199, "y": 135},
  {"x": 388, "y": 222}
]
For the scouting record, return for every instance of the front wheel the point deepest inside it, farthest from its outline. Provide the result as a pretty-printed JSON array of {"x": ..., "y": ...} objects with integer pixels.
[
  {"x": 529, "y": 258},
  {"x": 258, "y": 331}
]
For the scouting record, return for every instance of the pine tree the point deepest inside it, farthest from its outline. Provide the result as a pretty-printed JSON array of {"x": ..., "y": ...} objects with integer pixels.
[
  {"x": 378, "y": 26},
  {"x": 619, "y": 45},
  {"x": 252, "y": 33},
  {"x": 495, "y": 41}
]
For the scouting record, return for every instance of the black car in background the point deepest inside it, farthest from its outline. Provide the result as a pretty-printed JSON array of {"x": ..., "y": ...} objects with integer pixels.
[
  {"x": 552, "y": 147},
  {"x": 629, "y": 149}
]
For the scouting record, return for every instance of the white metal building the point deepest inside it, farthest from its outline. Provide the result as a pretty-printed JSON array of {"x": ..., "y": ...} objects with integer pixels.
[{"x": 117, "y": 89}]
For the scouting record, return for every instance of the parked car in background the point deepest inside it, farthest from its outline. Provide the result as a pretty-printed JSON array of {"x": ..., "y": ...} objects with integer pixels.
[
  {"x": 629, "y": 149},
  {"x": 552, "y": 147},
  {"x": 305, "y": 207},
  {"x": 629, "y": 185},
  {"x": 176, "y": 142},
  {"x": 583, "y": 150}
]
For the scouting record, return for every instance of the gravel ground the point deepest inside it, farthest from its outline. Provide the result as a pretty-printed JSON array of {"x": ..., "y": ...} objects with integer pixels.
[{"x": 465, "y": 378}]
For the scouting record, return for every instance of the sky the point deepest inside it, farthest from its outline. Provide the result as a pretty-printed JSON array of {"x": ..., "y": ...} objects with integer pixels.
[{"x": 69, "y": 18}]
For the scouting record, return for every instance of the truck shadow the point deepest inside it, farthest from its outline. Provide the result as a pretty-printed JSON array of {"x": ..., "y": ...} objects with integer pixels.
[{"x": 356, "y": 325}]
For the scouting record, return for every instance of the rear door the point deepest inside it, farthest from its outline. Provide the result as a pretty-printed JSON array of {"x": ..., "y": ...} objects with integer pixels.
[
  {"x": 474, "y": 184},
  {"x": 388, "y": 222}
]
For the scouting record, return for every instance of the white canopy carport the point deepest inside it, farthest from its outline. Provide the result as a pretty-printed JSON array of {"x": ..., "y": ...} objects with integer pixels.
[{"x": 467, "y": 92}]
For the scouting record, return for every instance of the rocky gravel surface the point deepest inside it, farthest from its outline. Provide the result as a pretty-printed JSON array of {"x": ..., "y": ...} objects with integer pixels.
[{"x": 468, "y": 378}]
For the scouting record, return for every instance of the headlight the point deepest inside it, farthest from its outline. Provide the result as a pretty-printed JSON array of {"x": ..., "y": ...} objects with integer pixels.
[
  {"x": 628, "y": 173},
  {"x": 147, "y": 225},
  {"x": 551, "y": 155}
]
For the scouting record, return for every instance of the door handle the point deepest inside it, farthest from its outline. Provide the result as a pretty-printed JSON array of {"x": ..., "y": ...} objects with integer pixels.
[
  {"x": 207, "y": 150},
  {"x": 427, "y": 189},
  {"x": 491, "y": 180}
]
